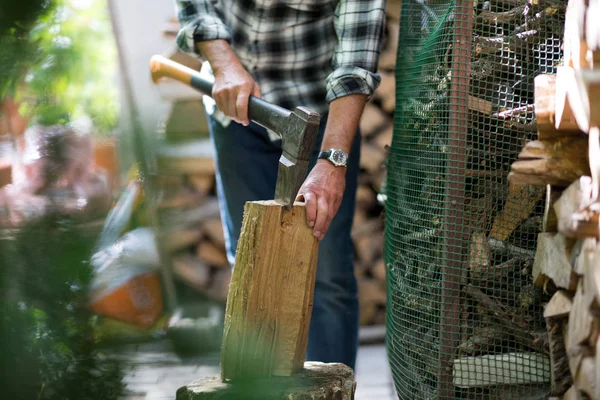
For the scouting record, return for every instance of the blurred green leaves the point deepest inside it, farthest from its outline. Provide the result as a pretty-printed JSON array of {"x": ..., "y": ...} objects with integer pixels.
[{"x": 59, "y": 61}]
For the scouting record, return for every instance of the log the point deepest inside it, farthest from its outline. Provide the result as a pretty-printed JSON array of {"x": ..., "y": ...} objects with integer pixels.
[
  {"x": 572, "y": 222},
  {"x": 545, "y": 89},
  {"x": 519, "y": 205},
  {"x": 387, "y": 59},
  {"x": 588, "y": 263},
  {"x": 316, "y": 381},
  {"x": 556, "y": 313},
  {"x": 584, "y": 97},
  {"x": 202, "y": 183},
  {"x": 574, "y": 43},
  {"x": 579, "y": 330},
  {"x": 506, "y": 369},
  {"x": 572, "y": 394},
  {"x": 191, "y": 271},
  {"x": 479, "y": 255},
  {"x": 219, "y": 284},
  {"x": 373, "y": 120},
  {"x": 484, "y": 340},
  {"x": 553, "y": 260},
  {"x": 550, "y": 221},
  {"x": 271, "y": 293},
  {"x": 192, "y": 157},
  {"x": 211, "y": 254},
  {"x": 181, "y": 239},
  {"x": 585, "y": 378},
  {"x": 371, "y": 157},
  {"x": 386, "y": 93},
  {"x": 479, "y": 105},
  {"x": 213, "y": 230},
  {"x": 556, "y": 162}
]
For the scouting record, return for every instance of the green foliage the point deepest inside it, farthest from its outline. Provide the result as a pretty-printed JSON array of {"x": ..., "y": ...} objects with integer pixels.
[
  {"x": 47, "y": 347},
  {"x": 67, "y": 62}
]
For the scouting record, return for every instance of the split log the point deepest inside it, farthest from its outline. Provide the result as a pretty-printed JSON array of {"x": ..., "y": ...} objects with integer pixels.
[
  {"x": 583, "y": 92},
  {"x": 379, "y": 271},
  {"x": 585, "y": 378},
  {"x": 386, "y": 93},
  {"x": 211, "y": 254},
  {"x": 588, "y": 263},
  {"x": 572, "y": 394},
  {"x": 550, "y": 221},
  {"x": 579, "y": 330},
  {"x": 373, "y": 120},
  {"x": 479, "y": 255},
  {"x": 519, "y": 205},
  {"x": 219, "y": 284},
  {"x": 316, "y": 381},
  {"x": 574, "y": 43},
  {"x": 371, "y": 295},
  {"x": 556, "y": 314},
  {"x": 202, "y": 183},
  {"x": 553, "y": 260},
  {"x": 191, "y": 271},
  {"x": 371, "y": 158},
  {"x": 545, "y": 100},
  {"x": 213, "y": 230},
  {"x": 572, "y": 222},
  {"x": 182, "y": 239},
  {"x": 556, "y": 162},
  {"x": 479, "y": 105},
  {"x": 505, "y": 369},
  {"x": 387, "y": 59},
  {"x": 270, "y": 298}
]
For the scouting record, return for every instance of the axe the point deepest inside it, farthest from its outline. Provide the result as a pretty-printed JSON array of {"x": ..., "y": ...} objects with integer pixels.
[{"x": 298, "y": 129}]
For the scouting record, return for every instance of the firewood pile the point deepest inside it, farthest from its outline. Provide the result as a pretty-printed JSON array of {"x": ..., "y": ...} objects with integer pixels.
[
  {"x": 566, "y": 157},
  {"x": 499, "y": 349},
  {"x": 189, "y": 214}
]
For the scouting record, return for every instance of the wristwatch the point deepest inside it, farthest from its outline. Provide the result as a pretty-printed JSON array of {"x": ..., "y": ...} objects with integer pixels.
[{"x": 337, "y": 157}]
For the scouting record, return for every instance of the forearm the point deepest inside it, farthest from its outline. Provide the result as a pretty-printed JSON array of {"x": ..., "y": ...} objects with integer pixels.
[
  {"x": 343, "y": 120},
  {"x": 219, "y": 54}
]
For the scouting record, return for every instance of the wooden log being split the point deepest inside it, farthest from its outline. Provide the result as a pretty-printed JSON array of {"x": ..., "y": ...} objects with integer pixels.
[
  {"x": 556, "y": 162},
  {"x": 317, "y": 381},
  {"x": 270, "y": 298}
]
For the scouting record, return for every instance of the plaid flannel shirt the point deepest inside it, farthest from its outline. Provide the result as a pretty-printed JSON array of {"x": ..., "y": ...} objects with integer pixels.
[{"x": 300, "y": 52}]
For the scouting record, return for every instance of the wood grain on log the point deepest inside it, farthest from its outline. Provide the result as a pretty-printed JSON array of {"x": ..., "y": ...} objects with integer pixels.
[
  {"x": 553, "y": 260},
  {"x": 270, "y": 298},
  {"x": 557, "y": 162},
  {"x": 570, "y": 203},
  {"x": 545, "y": 100},
  {"x": 556, "y": 313},
  {"x": 550, "y": 221},
  {"x": 519, "y": 205},
  {"x": 578, "y": 331}
]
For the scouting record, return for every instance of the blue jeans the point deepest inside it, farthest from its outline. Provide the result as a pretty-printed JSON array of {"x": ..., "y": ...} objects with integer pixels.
[{"x": 247, "y": 161}]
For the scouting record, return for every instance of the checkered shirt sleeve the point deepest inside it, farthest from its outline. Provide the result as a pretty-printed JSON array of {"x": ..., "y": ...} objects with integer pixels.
[
  {"x": 200, "y": 21},
  {"x": 359, "y": 25}
]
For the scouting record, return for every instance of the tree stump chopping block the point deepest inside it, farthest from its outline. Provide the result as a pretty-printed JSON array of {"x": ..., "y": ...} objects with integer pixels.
[{"x": 317, "y": 381}]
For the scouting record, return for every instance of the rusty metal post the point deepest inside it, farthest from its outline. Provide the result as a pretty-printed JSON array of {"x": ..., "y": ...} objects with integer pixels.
[{"x": 455, "y": 233}]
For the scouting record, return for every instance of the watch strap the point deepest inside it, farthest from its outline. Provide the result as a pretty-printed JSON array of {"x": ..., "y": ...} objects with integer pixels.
[{"x": 324, "y": 155}]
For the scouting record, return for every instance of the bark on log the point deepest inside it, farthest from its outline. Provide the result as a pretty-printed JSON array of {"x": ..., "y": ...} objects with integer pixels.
[
  {"x": 556, "y": 314},
  {"x": 317, "y": 381},
  {"x": 519, "y": 205},
  {"x": 270, "y": 298}
]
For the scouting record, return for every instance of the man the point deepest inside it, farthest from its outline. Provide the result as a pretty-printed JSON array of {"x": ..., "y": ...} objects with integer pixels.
[{"x": 321, "y": 54}]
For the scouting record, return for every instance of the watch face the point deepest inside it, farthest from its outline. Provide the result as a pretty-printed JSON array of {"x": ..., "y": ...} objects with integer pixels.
[{"x": 339, "y": 157}]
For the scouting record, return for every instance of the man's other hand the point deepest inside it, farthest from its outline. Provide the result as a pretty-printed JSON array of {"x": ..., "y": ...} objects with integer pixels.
[
  {"x": 322, "y": 192},
  {"x": 232, "y": 89}
]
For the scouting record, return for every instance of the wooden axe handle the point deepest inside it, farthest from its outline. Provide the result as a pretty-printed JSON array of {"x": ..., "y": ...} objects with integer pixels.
[{"x": 262, "y": 112}]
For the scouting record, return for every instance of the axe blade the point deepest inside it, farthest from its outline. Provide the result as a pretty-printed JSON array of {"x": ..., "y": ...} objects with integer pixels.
[{"x": 290, "y": 176}]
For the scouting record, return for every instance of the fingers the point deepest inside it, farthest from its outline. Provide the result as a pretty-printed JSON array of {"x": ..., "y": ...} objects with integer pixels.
[
  {"x": 241, "y": 107},
  {"x": 310, "y": 203},
  {"x": 321, "y": 224}
]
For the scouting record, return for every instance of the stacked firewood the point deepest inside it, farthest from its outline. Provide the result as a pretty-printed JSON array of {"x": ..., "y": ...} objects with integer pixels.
[
  {"x": 566, "y": 157},
  {"x": 189, "y": 216}
]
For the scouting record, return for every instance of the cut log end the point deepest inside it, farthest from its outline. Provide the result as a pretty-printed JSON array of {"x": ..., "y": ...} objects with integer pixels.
[{"x": 317, "y": 381}]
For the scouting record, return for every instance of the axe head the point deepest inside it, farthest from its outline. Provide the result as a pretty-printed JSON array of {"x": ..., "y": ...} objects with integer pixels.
[{"x": 298, "y": 139}]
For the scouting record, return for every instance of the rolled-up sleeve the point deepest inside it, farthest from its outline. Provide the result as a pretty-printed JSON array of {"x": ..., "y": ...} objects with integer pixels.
[
  {"x": 359, "y": 26},
  {"x": 199, "y": 21}
]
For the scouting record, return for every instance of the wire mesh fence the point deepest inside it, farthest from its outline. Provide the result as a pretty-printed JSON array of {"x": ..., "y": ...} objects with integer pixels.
[{"x": 464, "y": 318}]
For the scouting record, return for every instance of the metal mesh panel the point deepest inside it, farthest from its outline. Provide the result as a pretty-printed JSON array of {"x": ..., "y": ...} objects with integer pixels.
[{"x": 464, "y": 318}]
